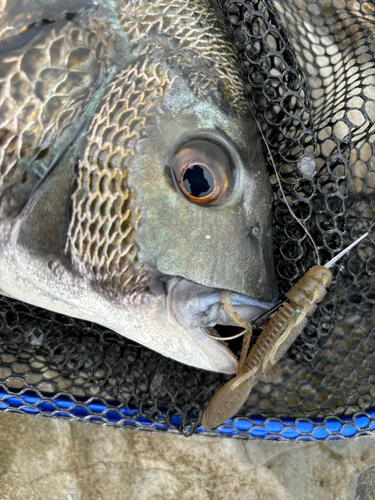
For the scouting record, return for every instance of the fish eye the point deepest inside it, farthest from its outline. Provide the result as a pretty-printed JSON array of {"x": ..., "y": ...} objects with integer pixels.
[{"x": 203, "y": 172}]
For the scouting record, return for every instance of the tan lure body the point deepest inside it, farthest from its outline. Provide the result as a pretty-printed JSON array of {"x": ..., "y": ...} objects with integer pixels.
[{"x": 277, "y": 336}]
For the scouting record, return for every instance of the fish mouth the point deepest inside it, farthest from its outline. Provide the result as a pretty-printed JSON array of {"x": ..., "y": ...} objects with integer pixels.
[{"x": 199, "y": 311}]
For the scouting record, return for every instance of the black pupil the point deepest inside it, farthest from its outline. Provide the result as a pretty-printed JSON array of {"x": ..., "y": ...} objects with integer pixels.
[{"x": 198, "y": 181}]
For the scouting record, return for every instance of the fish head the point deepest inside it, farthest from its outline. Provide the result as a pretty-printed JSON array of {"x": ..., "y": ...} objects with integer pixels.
[
  {"x": 218, "y": 235},
  {"x": 160, "y": 202}
]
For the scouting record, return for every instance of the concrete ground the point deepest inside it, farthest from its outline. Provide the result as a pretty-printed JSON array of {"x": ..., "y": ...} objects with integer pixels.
[{"x": 48, "y": 459}]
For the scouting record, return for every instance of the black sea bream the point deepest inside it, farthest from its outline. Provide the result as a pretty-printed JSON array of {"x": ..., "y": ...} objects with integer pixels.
[{"x": 132, "y": 183}]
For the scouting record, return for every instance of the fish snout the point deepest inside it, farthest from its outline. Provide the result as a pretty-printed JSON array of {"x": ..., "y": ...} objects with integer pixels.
[{"x": 196, "y": 307}]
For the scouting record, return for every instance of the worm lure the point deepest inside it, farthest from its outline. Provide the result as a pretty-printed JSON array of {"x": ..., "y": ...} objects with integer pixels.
[{"x": 277, "y": 335}]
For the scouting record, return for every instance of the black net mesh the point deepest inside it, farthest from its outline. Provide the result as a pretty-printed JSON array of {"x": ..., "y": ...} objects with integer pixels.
[
  {"x": 310, "y": 73},
  {"x": 310, "y": 90}
]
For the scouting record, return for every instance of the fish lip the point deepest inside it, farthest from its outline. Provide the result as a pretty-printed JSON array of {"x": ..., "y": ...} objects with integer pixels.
[
  {"x": 212, "y": 300},
  {"x": 194, "y": 318}
]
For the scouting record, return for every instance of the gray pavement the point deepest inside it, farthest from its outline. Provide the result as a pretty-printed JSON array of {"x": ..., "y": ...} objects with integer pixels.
[{"x": 48, "y": 459}]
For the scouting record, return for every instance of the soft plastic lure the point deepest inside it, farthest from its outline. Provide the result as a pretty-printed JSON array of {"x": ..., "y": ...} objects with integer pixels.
[
  {"x": 278, "y": 333},
  {"x": 277, "y": 336}
]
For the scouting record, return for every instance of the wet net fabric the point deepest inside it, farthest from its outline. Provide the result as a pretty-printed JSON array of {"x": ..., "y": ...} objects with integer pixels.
[{"x": 310, "y": 72}]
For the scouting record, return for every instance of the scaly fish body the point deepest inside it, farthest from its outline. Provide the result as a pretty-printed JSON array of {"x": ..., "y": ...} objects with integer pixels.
[{"x": 99, "y": 101}]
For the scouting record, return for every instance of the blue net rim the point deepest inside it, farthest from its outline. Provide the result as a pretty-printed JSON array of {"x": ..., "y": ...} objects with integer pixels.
[{"x": 97, "y": 410}]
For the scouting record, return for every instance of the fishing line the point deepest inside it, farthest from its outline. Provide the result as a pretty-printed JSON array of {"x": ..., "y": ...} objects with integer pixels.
[
  {"x": 282, "y": 192},
  {"x": 226, "y": 294}
]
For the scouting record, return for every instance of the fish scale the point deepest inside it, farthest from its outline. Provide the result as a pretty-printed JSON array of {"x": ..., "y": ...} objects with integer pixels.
[
  {"x": 107, "y": 249},
  {"x": 44, "y": 88},
  {"x": 105, "y": 228},
  {"x": 186, "y": 22}
]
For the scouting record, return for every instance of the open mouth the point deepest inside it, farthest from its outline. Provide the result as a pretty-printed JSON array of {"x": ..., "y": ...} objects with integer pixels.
[
  {"x": 229, "y": 333},
  {"x": 199, "y": 311},
  {"x": 224, "y": 332}
]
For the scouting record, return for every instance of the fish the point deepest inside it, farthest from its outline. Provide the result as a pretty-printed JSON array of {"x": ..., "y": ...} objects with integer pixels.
[{"x": 133, "y": 187}]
